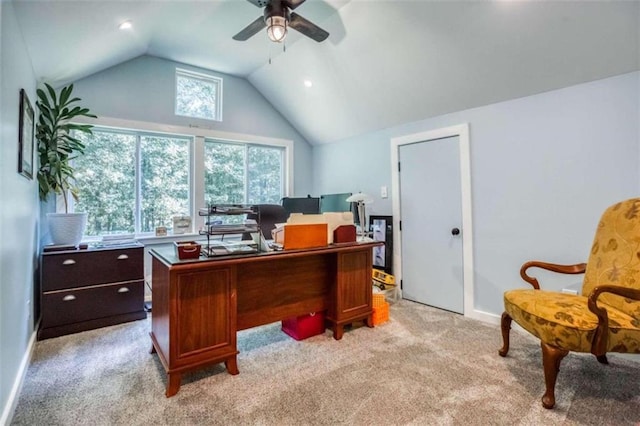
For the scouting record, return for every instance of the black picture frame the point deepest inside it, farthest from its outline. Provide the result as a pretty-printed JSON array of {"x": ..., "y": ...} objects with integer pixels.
[
  {"x": 25, "y": 136},
  {"x": 381, "y": 228}
]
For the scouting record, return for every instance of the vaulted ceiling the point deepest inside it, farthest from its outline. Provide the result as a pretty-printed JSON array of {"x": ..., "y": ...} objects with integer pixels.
[{"x": 386, "y": 62}]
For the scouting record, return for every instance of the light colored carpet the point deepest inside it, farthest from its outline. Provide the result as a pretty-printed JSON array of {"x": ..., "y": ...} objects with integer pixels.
[{"x": 423, "y": 367}]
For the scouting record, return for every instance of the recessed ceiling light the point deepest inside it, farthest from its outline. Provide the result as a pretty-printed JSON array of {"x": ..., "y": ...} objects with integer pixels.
[
  {"x": 308, "y": 83},
  {"x": 125, "y": 25}
]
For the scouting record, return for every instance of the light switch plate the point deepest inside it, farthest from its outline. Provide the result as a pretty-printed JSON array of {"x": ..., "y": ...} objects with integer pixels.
[{"x": 383, "y": 192}]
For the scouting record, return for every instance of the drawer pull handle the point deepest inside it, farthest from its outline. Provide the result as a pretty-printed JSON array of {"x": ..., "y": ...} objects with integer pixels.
[
  {"x": 123, "y": 257},
  {"x": 123, "y": 290},
  {"x": 68, "y": 298},
  {"x": 69, "y": 262}
]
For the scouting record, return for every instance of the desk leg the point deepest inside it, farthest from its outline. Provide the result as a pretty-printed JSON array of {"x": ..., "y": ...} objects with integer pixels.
[
  {"x": 232, "y": 365},
  {"x": 338, "y": 330},
  {"x": 369, "y": 321},
  {"x": 173, "y": 384}
]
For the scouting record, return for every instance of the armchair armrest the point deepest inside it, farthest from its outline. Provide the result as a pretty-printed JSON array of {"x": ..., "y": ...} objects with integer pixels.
[
  {"x": 600, "y": 340},
  {"x": 578, "y": 268}
]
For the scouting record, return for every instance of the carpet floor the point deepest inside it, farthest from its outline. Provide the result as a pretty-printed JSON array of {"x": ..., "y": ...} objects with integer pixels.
[{"x": 423, "y": 367}]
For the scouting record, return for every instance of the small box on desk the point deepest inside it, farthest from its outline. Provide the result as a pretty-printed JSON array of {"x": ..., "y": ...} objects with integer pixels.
[
  {"x": 301, "y": 236},
  {"x": 187, "y": 249},
  {"x": 344, "y": 234},
  {"x": 304, "y": 326}
]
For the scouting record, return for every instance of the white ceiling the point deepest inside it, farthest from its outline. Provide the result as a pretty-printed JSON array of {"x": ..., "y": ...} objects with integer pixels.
[{"x": 386, "y": 62}]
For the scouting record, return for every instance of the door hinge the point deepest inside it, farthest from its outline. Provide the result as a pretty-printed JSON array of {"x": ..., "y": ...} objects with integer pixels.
[
  {"x": 398, "y": 167},
  {"x": 400, "y": 225},
  {"x": 400, "y": 284}
]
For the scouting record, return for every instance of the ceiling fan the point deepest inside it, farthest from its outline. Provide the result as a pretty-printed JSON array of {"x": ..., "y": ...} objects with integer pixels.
[{"x": 278, "y": 18}]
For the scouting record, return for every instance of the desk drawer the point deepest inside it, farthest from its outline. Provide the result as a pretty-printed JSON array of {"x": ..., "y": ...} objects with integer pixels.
[
  {"x": 81, "y": 269},
  {"x": 82, "y": 304}
]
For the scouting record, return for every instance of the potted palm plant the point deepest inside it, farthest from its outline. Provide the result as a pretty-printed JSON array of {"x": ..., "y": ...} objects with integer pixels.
[{"x": 57, "y": 147}]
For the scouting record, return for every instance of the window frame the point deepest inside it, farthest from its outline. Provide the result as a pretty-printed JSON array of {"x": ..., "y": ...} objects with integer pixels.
[
  {"x": 196, "y": 171},
  {"x": 181, "y": 72}
]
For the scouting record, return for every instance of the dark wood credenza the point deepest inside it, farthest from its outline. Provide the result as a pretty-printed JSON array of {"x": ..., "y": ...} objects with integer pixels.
[
  {"x": 91, "y": 288},
  {"x": 199, "y": 305}
]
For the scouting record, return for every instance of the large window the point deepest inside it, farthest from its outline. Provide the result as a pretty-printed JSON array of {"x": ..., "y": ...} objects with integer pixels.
[
  {"x": 133, "y": 181},
  {"x": 198, "y": 95},
  {"x": 106, "y": 178},
  {"x": 243, "y": 173}
]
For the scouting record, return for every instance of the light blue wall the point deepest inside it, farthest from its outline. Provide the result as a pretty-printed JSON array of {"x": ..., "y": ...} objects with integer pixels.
[
  {"x": 543, "y": 169},
  {"x": 143, "y": 89},
  {"x": 19, "y": 213}
]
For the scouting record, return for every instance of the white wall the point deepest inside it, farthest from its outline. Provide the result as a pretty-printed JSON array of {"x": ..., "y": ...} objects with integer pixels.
[
  {"x": 19, "y": 213},
  {"x": 543, "y": 169},
  {"x": 143, "y": 89}
]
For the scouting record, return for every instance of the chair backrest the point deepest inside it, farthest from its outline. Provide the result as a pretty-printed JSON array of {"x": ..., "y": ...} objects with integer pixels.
[
  {"x": 615, "y": 255},
  {"x": 270, "y": 214}
]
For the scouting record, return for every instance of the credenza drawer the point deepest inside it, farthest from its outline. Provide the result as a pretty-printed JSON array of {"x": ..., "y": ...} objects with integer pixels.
[
  {"x": 80, "y": 269},
  {"x": 85, "y": 303}
]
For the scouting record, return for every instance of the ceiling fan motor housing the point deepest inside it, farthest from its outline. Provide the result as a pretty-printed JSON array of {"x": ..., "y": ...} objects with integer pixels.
[{"x": 276, "y": 8}]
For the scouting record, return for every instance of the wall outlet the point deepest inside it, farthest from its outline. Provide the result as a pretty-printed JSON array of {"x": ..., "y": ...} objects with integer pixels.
[
  {"x": 383, "y": 192},
  {"x": 570, "y": 291}
]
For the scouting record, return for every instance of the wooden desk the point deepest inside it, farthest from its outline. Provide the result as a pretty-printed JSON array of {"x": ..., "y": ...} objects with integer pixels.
[{"x": 199, "y": 305}]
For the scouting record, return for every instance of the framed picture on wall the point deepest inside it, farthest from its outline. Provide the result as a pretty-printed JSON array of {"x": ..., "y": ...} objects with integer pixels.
[
  {"x": 25, "y": 137},
  {"x": 381, "y": 228}
]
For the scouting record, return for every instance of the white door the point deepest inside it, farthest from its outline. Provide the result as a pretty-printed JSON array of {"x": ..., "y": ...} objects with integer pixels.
[{"x": 431, "y": 223}]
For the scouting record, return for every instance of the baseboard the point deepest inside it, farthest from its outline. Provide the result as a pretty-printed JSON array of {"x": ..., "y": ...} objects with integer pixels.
[
  {"x": 14, "y": 395},
  {"x": 484, "y": 317}
]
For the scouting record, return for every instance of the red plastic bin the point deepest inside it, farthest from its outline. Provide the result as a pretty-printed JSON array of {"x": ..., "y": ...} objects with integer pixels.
[{"x": 304, "y": 326}]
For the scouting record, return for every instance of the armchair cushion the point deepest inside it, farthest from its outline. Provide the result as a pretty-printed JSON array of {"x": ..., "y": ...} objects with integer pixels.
[
  {"x": 615, "y": 255},
  {"x": 565, "y": 321}
]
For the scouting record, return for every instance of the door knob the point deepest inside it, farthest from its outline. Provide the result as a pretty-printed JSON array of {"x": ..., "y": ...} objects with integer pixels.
[{"x": 455, "y": 231}]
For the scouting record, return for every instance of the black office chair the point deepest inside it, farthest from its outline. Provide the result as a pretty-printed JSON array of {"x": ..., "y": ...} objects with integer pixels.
[{"x": 269, "y": 215}]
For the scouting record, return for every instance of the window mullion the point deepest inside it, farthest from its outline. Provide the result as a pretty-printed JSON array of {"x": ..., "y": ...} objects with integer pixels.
[
  {"x": 246, "y": 174},
  {"x": 138, "y": 190},
  {"x": 197, "y": 180}
]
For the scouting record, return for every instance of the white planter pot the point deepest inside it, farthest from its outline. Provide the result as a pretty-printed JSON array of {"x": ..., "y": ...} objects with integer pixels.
[{"x": 66, "y": 228}]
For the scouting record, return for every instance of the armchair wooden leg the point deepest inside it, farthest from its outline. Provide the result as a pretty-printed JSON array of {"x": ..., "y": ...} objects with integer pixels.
[
  {"x": 505, "y": 324},
  {"x": 551, "y": 358},
  {"x": 602, "y": 359}
]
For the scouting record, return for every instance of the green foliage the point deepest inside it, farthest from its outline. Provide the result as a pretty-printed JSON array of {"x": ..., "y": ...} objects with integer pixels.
[
  {"x": 106, "y": 177},
  {"x": 196, "y": 97},
  {"x": 56, "y": 145},
  {"x": 129, "y": 177}
]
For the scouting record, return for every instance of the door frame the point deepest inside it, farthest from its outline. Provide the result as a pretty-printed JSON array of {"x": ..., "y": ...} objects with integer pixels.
[{"x": 462, "y": 132}]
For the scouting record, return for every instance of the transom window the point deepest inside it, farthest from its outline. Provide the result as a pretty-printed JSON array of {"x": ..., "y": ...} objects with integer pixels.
[{"x": 198, "y": 95}]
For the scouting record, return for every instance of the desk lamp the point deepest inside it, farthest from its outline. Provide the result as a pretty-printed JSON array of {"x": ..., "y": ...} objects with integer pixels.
[{"x": 361, "y": 199}]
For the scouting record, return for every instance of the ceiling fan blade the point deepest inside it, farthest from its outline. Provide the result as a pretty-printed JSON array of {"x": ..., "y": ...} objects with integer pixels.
[
  {"x": 291, "y": 4},
  {"x": 307, "y": 28},
  {"x": 260, "y": 3},
  {"x": 250, "y": 29}
]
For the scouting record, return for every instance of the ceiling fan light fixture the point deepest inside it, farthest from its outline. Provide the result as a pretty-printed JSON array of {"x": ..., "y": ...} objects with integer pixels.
[{"x": 276, "y": 28}]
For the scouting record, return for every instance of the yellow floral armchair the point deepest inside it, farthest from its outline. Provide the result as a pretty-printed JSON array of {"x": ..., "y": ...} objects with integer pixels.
[{"x": 605, "y": 317}]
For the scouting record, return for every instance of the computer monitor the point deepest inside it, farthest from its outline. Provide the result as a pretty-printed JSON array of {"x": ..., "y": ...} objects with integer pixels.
[
  {"x": 338, "y": 203},
  {"x": 307, "y": 205}
]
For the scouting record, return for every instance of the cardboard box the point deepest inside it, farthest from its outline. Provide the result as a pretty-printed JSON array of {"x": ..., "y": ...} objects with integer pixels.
[
  {"x": 304, "y": 326},
  {"x": 332, "y": 219},
  {"x": 301, "y": 236}
]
